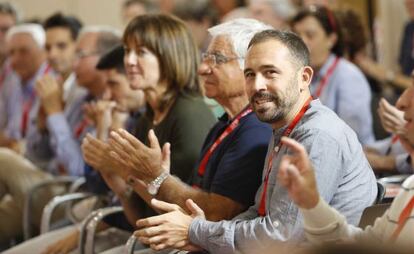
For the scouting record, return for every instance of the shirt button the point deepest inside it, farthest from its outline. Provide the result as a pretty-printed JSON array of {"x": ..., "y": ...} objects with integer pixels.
[
  {"x": 276, "y": 223},
  {"x": 276, "y": 149}
]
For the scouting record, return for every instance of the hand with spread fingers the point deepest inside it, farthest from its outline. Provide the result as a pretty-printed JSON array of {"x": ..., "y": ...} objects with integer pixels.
[
  {"x": 50, "y": 94},
  {"x": 169, "y": 230},
  {"x": 96, "y": 154},
  {"x": 297, "y": 175},
  {"x": 145, "y": 163},
  {"x": 392, "y": 119}
]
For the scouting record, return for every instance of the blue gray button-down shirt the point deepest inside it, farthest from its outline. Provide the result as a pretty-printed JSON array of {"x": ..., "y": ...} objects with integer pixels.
[
  {"x": 344, "y": 178},
  {"x": 59, "y": 147},
  {"x": 348, "y": 94}
]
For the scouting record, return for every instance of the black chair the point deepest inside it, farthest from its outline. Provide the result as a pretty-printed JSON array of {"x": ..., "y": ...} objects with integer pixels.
[{"x": 380, "y": 193}]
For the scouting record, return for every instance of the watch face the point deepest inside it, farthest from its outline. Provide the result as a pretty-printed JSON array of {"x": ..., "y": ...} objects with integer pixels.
[{"x": 152, "y": 189}]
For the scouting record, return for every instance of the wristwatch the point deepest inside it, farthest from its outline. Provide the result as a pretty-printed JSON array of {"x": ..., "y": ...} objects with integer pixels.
[{"x": 155, "y": 185}]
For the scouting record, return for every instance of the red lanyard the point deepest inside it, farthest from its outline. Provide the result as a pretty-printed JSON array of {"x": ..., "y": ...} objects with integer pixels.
[
  {"x": 227, "y": 131},
  {"x": 324, "y": 79},
  {"x": 286, "y": 133},
  {"x": 394, "y": 140},
  {"x": 27, "y": 106},
  {"x": 81, "y": 127},
  {"x": 405, "y": 214}
]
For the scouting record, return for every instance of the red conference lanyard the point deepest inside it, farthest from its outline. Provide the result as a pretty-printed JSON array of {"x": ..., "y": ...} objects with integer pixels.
[
  {"x": 394, "y": 139},
  {"x": 27, "y": 105},
  {"x": 233, "y": 125},
  {"x": 404, "y": 216},
  {"x": 286, "y": 133},
  {"x": 80, "y": 128},
  {"x": 324, "y": 81}
]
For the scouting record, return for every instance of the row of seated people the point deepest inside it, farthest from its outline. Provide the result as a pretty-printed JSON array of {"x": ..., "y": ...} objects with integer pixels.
[{"x": 262, "y": 84}]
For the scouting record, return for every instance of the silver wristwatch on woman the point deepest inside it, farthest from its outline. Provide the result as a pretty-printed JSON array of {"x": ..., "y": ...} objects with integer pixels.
[{"x": 154, "y": 186}]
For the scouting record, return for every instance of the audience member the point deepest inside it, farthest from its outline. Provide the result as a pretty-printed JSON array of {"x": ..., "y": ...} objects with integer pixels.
[
  {"x": 27, "y": 59},
  {"x": 339, "y": 84},
  {"x": 56, "y": 93}
]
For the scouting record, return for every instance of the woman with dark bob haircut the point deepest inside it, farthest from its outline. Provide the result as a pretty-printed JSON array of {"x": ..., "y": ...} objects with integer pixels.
[{"x": 161, "y": 59}]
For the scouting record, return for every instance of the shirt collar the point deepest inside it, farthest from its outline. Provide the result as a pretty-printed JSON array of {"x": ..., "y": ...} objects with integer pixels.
[{"x": 69, "y": 83}]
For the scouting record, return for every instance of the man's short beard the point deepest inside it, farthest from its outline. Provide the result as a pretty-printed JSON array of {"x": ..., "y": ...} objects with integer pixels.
[{"x": 282, "y": 104}]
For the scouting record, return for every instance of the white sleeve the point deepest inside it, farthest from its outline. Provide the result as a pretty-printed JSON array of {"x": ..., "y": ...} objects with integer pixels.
[{"x": 324, "y": 223}]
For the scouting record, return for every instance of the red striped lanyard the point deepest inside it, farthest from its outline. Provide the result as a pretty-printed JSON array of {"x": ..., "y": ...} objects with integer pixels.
[
  {"x": 27, "y": 105},
  {"x": 324, "y": 80},
  {"x": 404, "y": 216},
  {"x": 233, "y": 125},
  {"x": 286, "y": 133}
]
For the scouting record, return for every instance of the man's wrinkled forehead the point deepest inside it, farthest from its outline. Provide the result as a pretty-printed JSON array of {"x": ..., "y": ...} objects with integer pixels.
[
  {"x": 22, "y": 40},
  {"x": 222, "y": 44}
]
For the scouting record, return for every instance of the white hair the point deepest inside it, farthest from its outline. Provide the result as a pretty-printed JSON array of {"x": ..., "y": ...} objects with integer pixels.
[
  {"x": 240, "y": 32},
  {"x": 284, "y": 9},
  {"x": 36, "y": 31}
]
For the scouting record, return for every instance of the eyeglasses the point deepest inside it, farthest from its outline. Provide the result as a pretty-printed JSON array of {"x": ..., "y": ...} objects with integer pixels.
[
  {"x": 217, "y": 58},
  {"x": 82, "y": 54}
]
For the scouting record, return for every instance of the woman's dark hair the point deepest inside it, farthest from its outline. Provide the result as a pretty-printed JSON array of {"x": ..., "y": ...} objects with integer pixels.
[
  {"x": 171, "y": 41},
  {"x": 328, "y": 21},
  {"x": 354, "y": 33}
]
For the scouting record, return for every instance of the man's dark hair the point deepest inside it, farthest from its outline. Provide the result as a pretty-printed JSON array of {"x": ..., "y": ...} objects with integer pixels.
[
  {"x": 69, "y": 22},
  {"x": 114, "y": 59},
  {"x": 292, "y": 41}
]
